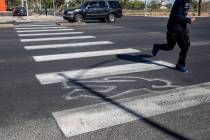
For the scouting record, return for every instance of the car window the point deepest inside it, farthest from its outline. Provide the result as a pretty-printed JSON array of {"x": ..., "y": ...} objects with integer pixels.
[
  {"x": 114, "y": 4},
  {"x": 93, "y": 4},
  {"x": 83, "y": 5},
  {"x": 17, "y": 8},
  {"x": 102, "y": 4},
  {"x": 20, "y": 8}
]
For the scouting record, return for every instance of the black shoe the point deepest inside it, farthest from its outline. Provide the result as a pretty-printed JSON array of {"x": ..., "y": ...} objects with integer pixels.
[
  {"x": 155, "y": 50},
  {"x": 181, "y": 68}
]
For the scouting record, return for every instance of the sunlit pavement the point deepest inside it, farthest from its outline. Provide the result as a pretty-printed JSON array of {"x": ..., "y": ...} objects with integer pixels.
[{"x": 99, "y": 81}]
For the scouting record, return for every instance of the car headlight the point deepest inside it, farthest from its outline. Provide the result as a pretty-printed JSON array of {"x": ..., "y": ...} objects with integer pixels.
[{"x": 70, "y": 12}]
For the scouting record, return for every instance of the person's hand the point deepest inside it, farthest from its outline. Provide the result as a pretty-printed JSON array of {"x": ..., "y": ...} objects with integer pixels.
[{"x": 193, "y": 19}]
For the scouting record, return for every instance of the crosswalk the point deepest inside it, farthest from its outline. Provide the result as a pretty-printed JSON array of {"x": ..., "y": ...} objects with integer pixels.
[
  {"x": 68, "y": 120},
  {"x": 54, "y": 77},
  {"x": 44, "y": 33}
]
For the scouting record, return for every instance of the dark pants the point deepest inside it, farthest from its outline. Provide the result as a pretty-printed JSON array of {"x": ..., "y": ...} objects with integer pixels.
[{"x": 183, "y": 41}]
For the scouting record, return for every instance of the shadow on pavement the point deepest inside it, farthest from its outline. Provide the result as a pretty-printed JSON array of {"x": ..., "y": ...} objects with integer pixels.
[
  {"x": 141, "y": 58},
  {"x": 148, "y": 121},
  {"x": 136, "y": 58}
]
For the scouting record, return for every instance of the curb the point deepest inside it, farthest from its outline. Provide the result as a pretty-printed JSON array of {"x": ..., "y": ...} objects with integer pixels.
[
  {"x": 7, "y": 22},
  {"x": 70, "y": 23},
  {"x": 6, "y": 25},
  {"x": 13, "y": 21}
]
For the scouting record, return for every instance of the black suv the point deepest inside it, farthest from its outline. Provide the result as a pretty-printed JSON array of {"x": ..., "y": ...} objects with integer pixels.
[
  {"x": 95, "y": 9},
  {"x": 19, "y": 11}
]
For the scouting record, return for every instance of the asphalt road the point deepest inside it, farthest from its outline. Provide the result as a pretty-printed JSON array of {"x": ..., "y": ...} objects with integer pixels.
[{"x": 32, "y": 94}]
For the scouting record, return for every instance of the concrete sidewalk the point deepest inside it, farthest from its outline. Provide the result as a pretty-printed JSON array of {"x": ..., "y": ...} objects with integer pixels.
[{"x": 33, "y": 18}]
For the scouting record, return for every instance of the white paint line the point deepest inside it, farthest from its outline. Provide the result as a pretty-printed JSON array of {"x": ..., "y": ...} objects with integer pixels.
[
  {"x": 48, "y": 30},
  {"x": 83, "y": 54},
  {"x": 34, "y": 25},
  {"x": 57, "y": 77},
  {"x": 200, "y": 43},
  {"x": 43, "y": 34},
  {"x": 56, "y": 38},
  {"x": 36, "y": 28},
  {"x": 53, "y": 46},
  {"x": 118, "y": 27},
  {"x": 91, "y": 118},
  {"x": 76, "y": 92}
]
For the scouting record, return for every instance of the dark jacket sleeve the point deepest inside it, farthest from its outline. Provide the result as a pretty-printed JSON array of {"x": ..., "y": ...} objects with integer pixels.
[
  {"x": 182, "y": 19},
  {"x": 180, "y": 12}
]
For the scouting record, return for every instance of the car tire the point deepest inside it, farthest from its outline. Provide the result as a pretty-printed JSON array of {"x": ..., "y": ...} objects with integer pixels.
[
  {"x": 78, "y": 18},
  {"x": 102, "y": 19},
  {"x": 111, "y": 18},
  {"x": 70, "y": 20}
]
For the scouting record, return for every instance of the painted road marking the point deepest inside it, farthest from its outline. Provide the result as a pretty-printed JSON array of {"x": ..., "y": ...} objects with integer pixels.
[
  {"x": 69, "y": 45},
  {"x": 96, "y": 28},
  {"x": 43, "y": 34},
  {"x": 48, "y": 30},
  {"x": 83, "y": 54},
  {"x": 91, "y": 118},
  {"x": 57, "y": 77},
  {"x": 200, "y": 43},
  {"x": 36, "y": 28},
  {"x": 34, "y": 25},
  {"x": 56, "y": 38}
]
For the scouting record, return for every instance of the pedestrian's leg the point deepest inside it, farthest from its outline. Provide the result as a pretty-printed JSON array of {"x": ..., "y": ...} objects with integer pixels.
[
  {"x": 184, "y": 44},
  {"x": 171, "y": 42}
]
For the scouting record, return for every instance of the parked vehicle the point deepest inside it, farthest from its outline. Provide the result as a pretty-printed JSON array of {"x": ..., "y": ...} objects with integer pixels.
[
  {"x": 95, "y": 9},
  {"x": 19, "y": 11}
]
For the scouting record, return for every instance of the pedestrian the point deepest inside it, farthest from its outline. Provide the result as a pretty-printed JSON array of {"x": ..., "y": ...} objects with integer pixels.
[
  {"x": 177, "y": 32},
  {"x": 46, "y": 12}
]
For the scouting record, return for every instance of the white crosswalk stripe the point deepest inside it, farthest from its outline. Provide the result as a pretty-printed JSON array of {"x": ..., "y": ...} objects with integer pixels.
[
  {"x": 83, "y": 54},
  {"x": 57, "y": 77},
  {"x": 68, "y": 45},
  {"x": 50, "y": 34},
  {"x": 94, "y": 117},
  {"x": 34, "y": 25},
  {"x": 35, "y": 28},
  {"x": 56, "y": 38},
  {"x": 48, "y": 30}
]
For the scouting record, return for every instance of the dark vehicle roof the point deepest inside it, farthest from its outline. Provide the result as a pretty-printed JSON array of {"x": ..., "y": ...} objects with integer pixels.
[
  {"x": 112, "y": 3},
  {"x": 101, "y": 0},
  {"x": 20, "y": 7}
]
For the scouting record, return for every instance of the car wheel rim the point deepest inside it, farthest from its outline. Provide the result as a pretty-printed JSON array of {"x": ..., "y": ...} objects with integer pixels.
[
  {"x": 79, "y": 18},
  {"x": 111, "y": 18}
]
